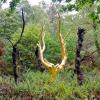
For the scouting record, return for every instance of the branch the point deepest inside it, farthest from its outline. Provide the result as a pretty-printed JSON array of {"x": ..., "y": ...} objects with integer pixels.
[
  {"x": 23, "y": 27},
  {"x": 88, "y": 55},
  {"x": 63, "y": 51},
  {"x": 42, "y": 35},
  {"x": 10, "y": 41},
  {"x": 41, "y": 46}
]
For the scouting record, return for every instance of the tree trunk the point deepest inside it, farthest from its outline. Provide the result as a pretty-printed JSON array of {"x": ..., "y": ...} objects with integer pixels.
[
  {"x": 39, "y": 65},
  {"x": 80, "y": 34},
  {"x": 14, "y": 58}
]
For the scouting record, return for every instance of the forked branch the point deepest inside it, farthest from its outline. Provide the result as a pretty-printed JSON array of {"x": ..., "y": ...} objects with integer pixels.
[
  {"x": 41, "y": 45},
  {"x": 63, "y": 51},
  {"x": 23, "y": 27}
]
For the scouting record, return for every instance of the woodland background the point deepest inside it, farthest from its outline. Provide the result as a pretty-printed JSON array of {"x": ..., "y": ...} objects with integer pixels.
[{"x": 81, "y": 13}]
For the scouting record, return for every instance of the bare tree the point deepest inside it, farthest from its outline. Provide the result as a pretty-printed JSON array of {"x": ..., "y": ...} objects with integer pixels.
[
  {"x": 15, "y": 51},
  {"x": 53, "y": 69},
  {"x": 79, "y": 73}
]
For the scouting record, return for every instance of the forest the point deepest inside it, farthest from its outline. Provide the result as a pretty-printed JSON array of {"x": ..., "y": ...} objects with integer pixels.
[{"x": 50, "y": 51}]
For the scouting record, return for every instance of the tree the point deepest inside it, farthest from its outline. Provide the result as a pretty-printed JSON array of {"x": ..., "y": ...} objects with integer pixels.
[
  {"x": 94, "y": 11},
  {"x": 28, "y": 10},
  {"x": 80, "y": 34},
  {"x": 15, "y": 52},
  {"x": 13, "y": 3},
  {"x": 90, "y": 8},
  {"x": 53, "y": 69},
  {"x": 52, "y": 12}
]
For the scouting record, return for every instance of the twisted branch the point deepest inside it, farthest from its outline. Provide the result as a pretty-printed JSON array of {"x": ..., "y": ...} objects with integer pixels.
[{"x": 41, "y": 45}]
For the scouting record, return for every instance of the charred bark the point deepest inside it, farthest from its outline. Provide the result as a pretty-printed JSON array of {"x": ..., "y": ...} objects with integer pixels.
[
  {"x": 39, "y": 64},
  {"x": 15, "y": 51},
  {"x": 14, "y": 58},
  {"x": 79, "y": 73}
]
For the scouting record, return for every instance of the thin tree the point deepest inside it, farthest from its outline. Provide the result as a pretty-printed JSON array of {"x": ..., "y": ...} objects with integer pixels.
[
  {"x": 15, "y": 51},
  {"x": 79, "y": 73}
]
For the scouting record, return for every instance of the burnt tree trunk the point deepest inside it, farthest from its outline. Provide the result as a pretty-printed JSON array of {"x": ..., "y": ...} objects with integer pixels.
[
  {"x": 15, "y": 51},
  {"x": 79, "y": 73},
  {"x": 39, "y": 65},
  {"x": 14, "y": 58}
]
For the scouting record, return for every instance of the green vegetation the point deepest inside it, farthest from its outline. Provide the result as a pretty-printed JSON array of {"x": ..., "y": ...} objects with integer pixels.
[
  {"x": 64, "y": 87},
  {"x": 46, "y": 75}
]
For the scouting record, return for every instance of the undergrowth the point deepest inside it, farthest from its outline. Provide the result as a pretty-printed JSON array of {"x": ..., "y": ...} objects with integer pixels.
[{"x": 63, "y": 87}]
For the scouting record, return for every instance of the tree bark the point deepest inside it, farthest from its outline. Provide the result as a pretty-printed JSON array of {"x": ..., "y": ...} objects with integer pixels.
[
  {"x": 15, "y": 51},
  {"x": 14, "y": 58},
  {"x": 39, "y": 64},
  {"x": 79, "y": 73}
]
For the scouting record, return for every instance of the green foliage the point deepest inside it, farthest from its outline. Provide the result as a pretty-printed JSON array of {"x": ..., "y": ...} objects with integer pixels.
[
  {"x": 90, "y": 4},
  {"x": 13, "y": 4},
  {"x": 98, "y": 10},
  {"x": 52, "y": 52},
  {"x": 8, "y": 52},
  {"x": 67, "y": 87},
  {"x": 28, "y": 11},
  {"x": 70, "y": 37},
  {"x": 71, "y": 46},
  {"x": 1, "y": 98},
  {"x": 81, "y": 3},
  {"x": 64, "y": 87},
  {"x": 39, "y": 16},
  {"x": 9, "y": 24},
  {"x": 28, "y": 44},
  {"x": 71, "y": 7}
]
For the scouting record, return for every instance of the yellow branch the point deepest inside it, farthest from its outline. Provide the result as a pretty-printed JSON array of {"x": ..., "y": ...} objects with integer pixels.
[{"x": 53, "y": 69}]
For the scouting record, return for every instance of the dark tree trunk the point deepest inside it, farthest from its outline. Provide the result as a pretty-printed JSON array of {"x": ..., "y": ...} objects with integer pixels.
[
  {"x": 39, "y": 65},
  {"x": 80, "y": 34},
  {"x": 15, "y": 52},
  {"x": 14, "y": 58}
]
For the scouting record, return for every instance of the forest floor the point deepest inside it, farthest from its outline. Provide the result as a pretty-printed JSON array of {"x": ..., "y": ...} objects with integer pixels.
[{"x": 38, "y": 86}]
